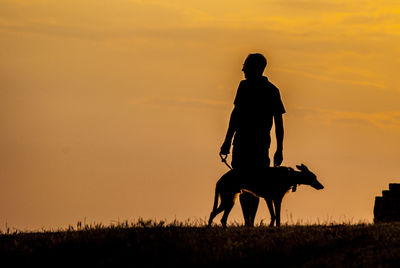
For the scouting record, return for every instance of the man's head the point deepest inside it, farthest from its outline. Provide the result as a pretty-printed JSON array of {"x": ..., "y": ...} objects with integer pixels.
[{"x": 254, "y": 65}]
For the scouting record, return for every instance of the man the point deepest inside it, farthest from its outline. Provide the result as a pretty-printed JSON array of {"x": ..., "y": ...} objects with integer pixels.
[{"x": 257, "y": 105}]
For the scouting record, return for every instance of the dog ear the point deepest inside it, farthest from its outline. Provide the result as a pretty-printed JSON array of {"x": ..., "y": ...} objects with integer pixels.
[
  {"x": 294, "y": 188},
  {"x": 302, "y": 167}
]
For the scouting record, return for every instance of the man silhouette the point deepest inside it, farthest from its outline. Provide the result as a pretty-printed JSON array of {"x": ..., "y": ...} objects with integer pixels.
[{"x": 257, "y": 105}]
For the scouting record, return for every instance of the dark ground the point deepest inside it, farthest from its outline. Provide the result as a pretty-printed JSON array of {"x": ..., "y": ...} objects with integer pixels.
[{"x": 156, "y": 244}]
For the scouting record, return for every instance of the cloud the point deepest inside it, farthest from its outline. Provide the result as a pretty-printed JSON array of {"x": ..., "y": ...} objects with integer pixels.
[
  {"x": 180, "y": 102},
  {"x": 87, "y": 19},
  {"x": 334, "y": 79},
  {"x": 98, "y": 20},
  {"x": 390, "y": 119},
  {"x": 313, "y": 6}
]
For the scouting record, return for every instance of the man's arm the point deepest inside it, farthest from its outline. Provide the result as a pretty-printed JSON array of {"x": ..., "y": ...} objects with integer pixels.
[
  {"x": 279, "y": 132},
  {"x": 226, "y": 146}
]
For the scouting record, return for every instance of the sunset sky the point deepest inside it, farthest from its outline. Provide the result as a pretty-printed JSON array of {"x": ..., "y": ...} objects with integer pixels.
[{"x": 115, "y": 110}]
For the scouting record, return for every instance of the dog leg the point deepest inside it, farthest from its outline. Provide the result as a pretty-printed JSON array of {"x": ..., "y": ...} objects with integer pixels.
[
  {"x": 271, "y": 211},
  {"x": 224, "y": 218},
  {"x": 214, "y": 213},
  {"x": 278, "y": 203}
]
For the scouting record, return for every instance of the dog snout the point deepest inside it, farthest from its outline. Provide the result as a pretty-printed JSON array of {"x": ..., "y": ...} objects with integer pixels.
[{"x": 317, "y": 185}]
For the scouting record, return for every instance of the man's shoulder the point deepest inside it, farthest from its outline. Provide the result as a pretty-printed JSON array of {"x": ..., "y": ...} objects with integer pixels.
[
  {"x": 269, "y": 83},
  {"x": 264, "y": 84},
  {"x": 243, "y": 82}
]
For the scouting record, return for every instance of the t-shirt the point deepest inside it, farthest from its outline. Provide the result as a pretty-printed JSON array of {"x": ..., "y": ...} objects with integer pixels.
[{"x": 256, "y": 102}]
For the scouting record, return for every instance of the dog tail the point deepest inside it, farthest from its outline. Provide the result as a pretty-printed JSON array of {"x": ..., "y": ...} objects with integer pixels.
[{"x": 216, "y": 197}]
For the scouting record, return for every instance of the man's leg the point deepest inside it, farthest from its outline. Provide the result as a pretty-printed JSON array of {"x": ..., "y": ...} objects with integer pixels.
[
  {"x": 249, "y": 205},
  {"x": 244, "y": 161}
]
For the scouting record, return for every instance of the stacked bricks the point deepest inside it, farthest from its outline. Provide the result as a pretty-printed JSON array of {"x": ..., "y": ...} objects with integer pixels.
[{"x": 387, "y": 206}]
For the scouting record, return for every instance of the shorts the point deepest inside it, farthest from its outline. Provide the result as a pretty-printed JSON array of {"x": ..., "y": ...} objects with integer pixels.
[{"x": 246, "y": 157}]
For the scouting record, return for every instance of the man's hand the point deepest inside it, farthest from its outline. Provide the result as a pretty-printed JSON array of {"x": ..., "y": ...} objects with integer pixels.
[
  {"x": 225, "y": 148},
  {"x": 278, "y": 158}
]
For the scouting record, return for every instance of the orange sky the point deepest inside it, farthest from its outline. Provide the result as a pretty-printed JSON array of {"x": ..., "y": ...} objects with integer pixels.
[{"x": 115, "y": 110}]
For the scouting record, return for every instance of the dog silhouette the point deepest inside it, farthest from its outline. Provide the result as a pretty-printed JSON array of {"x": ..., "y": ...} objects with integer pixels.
[{"x": 270, "y": 183}]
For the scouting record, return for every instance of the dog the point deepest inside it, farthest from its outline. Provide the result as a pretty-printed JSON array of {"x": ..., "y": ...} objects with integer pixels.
[{"x": 270, "y": 183}]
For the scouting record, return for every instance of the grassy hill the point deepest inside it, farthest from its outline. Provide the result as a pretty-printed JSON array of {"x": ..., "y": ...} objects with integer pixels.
[{"x": 159, "y": 244}]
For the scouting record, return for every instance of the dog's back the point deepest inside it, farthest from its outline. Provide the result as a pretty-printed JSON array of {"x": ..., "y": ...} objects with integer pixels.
[{"x": 269, "y": 181}]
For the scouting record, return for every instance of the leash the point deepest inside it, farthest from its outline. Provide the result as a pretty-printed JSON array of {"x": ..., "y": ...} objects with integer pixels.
[{"x": 223, "y": 159}]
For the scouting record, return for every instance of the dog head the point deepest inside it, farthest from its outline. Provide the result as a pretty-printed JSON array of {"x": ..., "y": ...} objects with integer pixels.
[{"x": 309, "y": 178}]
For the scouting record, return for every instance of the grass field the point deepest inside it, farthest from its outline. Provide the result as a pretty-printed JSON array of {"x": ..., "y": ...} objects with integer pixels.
[{"x": 157, "y": 244}]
